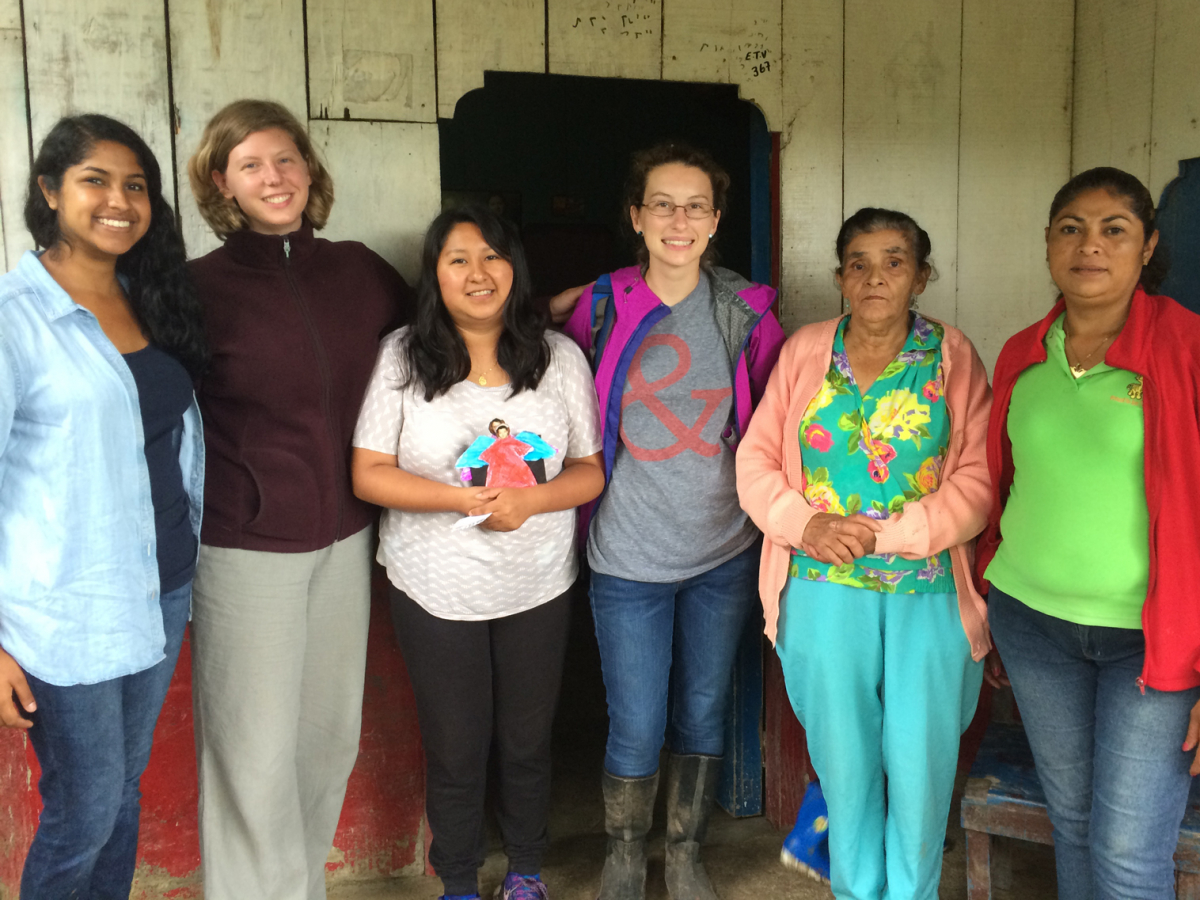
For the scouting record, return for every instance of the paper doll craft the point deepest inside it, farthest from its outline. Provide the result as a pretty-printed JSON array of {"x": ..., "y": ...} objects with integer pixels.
[{"x": 498, "y": 459}]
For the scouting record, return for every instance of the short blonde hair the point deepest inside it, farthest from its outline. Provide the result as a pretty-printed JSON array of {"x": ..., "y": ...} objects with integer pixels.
[{"x": 226, "y": 130}]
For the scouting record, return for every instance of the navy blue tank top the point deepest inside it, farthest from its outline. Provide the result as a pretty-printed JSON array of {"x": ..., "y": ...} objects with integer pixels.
[{"x": 165, "y": 393}]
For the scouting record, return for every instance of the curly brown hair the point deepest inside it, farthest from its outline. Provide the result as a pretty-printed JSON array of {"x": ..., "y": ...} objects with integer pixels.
[{"x": 224, "y": 131}]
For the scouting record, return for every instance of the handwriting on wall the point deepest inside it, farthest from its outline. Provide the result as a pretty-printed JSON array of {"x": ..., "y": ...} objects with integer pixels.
[{"x": 636, "y": 19}]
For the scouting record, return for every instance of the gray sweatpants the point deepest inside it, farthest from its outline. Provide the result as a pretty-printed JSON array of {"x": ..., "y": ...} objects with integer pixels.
[{"x": 279, "y": 646}]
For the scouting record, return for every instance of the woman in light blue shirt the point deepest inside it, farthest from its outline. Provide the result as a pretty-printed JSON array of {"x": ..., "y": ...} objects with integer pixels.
[{"x": 101, "y": 462}]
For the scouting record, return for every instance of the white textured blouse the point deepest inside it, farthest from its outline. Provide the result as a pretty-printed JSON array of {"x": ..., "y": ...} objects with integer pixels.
[{"x": 476, "y": 574}]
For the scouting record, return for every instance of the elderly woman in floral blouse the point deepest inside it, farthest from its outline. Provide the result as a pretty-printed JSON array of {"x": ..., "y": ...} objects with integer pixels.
[{"x": 864, "y": 466}]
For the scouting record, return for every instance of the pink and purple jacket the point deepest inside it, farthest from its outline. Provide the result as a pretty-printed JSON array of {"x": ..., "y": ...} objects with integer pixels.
[{"x": 616, "y": 324}]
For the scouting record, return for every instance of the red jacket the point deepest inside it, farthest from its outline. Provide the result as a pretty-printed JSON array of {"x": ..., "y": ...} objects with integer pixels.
[
  {"x": 293, "y": 324},
  {"x": 1160, "y": 342}
]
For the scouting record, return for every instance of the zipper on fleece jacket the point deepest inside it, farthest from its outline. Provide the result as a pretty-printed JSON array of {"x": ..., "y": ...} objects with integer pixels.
[{"x": 326, "y": 383}]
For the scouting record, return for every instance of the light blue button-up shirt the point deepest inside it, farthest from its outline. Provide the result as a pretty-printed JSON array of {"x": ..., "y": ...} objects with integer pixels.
[{"x": 79, "y": 590}]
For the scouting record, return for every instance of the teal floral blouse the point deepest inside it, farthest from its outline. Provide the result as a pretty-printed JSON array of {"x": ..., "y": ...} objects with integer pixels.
[{"x": 872, "y": 453}]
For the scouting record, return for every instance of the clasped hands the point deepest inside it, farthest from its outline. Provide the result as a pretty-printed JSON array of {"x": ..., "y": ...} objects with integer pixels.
[
  {"x": 839, "y": 540},
  {"x": 509, "y": 507}
]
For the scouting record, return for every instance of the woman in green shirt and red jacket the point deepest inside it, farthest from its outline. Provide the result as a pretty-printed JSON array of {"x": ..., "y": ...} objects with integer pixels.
[{"x": 1092, "y": 549}]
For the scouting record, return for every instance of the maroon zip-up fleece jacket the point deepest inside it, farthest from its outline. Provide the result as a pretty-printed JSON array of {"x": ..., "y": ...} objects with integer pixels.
[{"x": 293, "y": 324}]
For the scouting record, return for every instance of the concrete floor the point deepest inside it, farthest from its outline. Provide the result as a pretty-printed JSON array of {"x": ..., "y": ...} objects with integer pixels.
[{"x": 742, "y": 855}]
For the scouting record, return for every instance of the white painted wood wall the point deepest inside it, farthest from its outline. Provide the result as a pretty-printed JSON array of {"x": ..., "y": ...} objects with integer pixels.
[{"x": 966, "y": 113}]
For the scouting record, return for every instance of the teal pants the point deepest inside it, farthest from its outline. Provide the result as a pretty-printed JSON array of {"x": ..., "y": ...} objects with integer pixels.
[{"x": 884, "y": 685}]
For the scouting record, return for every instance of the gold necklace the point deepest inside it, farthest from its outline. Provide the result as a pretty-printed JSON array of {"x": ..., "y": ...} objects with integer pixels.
[
  {"x": 1079, "y": 370},
  {"x": 483, "y": 377}
]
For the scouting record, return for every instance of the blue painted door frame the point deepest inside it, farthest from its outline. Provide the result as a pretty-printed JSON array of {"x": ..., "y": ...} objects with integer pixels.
[{"x": 741, "y": 790}]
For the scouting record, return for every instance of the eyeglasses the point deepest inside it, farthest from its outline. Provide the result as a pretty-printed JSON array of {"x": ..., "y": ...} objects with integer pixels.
[{"x": 694, "y": 210}]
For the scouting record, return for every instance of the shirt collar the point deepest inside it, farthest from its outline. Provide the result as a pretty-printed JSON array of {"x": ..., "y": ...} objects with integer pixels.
[
  {"x": 266, "y": 251},
  {"x": 53, "y": 301}
]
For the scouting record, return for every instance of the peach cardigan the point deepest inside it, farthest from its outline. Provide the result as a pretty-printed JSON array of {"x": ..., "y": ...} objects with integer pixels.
[{"x": 770, "y": 481}]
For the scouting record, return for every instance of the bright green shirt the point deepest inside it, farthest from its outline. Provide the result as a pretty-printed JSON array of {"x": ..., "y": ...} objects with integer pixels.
[
  {"x": 872, "y": 453},
  {"x": 1075, "y": 529}
]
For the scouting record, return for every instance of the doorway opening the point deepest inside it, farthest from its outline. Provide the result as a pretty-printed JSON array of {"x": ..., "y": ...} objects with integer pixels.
[{"x": 551, "y": 152}]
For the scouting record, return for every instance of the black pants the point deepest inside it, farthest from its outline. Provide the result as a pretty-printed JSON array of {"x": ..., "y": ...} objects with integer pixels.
[{"x": 475, "y": 682}]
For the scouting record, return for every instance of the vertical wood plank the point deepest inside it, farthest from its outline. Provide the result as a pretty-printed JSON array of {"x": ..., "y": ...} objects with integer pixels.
[
  {"x": 106, "y": 56},
  {"x": 1176, "y": 124},
  {"x": 1014, "y": 153},
  {"x": 1114, "y": 85},
  {"x": 224, "y": 50},
  {"x": 810, "y": 160},
  {"x": 389, "y": 188},
  {"x": 511, "y": 38},
  {"x": 371, "y": 59},
  {"x": 785, "y": 751},
  {"x": 901, "y": 123},
  {"x": 728, "y": 42},
  {"x": 606, "y": 38},
  {"x": 14, "y": 148}
]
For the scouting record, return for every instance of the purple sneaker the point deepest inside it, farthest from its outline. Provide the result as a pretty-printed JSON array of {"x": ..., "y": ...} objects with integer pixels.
[
  {"x": 806, "y": 849},
  {"x": 522, "y": 887}
]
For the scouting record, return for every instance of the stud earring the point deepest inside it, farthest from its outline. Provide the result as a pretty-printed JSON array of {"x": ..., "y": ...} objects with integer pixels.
[
  {"x": 639, "y": 234},
  {"x": 710, "y": 237}
]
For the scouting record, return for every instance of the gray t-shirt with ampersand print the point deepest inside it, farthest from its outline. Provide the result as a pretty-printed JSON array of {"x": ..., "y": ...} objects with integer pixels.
[{"x": 671, "y": 509}]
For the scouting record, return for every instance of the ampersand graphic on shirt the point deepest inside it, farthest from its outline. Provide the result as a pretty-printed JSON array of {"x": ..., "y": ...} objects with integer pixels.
[{"x": 646, "y": 393}]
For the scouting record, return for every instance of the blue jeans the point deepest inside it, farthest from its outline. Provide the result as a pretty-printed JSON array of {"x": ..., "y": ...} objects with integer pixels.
[
  {"x": 93, "y": 743},
  {"x": 1108, "y": 756},
  {"x": 677, "y": 637}
]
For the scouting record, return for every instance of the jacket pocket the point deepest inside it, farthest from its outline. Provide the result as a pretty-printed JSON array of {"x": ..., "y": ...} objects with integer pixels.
[{"x": 287, "y": 503}]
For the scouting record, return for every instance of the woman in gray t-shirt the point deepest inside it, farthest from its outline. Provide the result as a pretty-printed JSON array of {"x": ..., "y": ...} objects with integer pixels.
[{"x": 681, "y": 352}]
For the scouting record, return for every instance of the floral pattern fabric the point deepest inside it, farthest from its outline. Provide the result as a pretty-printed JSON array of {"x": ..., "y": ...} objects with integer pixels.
[{"x": 872, "y": 453}]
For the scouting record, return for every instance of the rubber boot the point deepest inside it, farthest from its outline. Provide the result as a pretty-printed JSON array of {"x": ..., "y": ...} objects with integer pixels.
[
  {"x": 628, "y": 811},
  {"x": 691, "y": 787}
]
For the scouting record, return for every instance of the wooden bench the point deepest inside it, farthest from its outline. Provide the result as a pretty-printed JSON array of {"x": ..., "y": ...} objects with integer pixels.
[{"x": 1004, "y": 797}]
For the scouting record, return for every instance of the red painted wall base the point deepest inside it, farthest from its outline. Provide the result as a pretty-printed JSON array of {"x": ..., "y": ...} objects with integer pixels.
[{"x": 380, "y": 832}]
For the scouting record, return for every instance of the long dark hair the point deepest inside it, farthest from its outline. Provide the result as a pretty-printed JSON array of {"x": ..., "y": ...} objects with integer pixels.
[
  {"x": 1120, "y": 183},
  {"x": 160, "y": 289},
  {"x": 435, "y": 355}
]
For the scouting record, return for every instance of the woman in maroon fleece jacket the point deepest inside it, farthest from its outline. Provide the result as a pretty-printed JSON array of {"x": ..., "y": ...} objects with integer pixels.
[{"x": 282, "y": 590}]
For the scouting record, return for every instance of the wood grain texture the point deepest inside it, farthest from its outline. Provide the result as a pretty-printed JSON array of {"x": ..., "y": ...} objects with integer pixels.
[
  {"x": 510, "y": 36},
  {"x": 785, "y": 751},
  {"x": 728, "y": 42},
  {"x": 14, "y": 148},
  {"x": 1175, "y": 131},
  {"x": 605, "y": 38},
  {"x": 1014, "y": 153},
  {"x": 1113, "y": 85},
  {"x": 371, "y": 59},
  {"x": 901, "y": 124},
  {"x": 224, "y": 50},
  {"x": 106, "y": 56},
  {"x": 390, "y": 187},
  {"x": 810, "y": 160}
]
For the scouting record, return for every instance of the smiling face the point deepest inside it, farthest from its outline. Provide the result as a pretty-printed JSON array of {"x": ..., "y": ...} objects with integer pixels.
[
  {"x": 1096, "y": 247},
  {"x": 474, "y": 279},
  {"x": 879, "y": 276},
  {"x": 103, "y": 205},
  {"x": 676, "y": 240},
  {"x": 268, "y": 178}
]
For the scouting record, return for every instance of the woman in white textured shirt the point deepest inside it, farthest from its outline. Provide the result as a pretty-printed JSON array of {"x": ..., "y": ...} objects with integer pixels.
[{"x": 481, "y": 612}]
